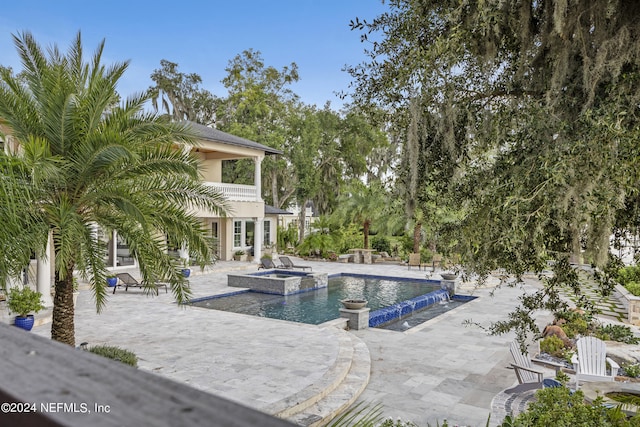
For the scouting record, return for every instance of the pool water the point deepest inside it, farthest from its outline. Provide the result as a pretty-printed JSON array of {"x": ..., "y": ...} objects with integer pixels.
[{"x": 323, "y": 304}]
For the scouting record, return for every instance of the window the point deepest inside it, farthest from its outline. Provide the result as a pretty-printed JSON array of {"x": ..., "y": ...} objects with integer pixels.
[
  {"x": 215, "y": 235},
  {"x": 123, "y": 255},
  {"x": 249, "y": 232},
  {"x": 237, "y": 234},
  {"x": 266, "y": 233}
]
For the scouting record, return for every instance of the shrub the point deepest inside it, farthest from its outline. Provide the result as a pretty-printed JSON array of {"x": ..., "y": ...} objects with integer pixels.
[
  {"x": 317, "y": 244},
  {"x": 23, "y": 301},
  {"x": 618, "y": 333},
  {"x": 575, "y": 322},
  {"x": 558, "y": 406},
  {"x": 553, "y": 346},
  {"x": 634, "y": 288},
  {"x": 628, "y": 274},
  {"x": 381, "y": 244},
  {"x": 350, "y": 237},
  {"x": 116, "y": 353},
  {"x": 578, "y": 326},
  {"x": 632, "y": 370}
]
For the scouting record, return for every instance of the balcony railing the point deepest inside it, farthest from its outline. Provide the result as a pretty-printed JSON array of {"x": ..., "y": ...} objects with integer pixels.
[{"x": 236, "y": 192}]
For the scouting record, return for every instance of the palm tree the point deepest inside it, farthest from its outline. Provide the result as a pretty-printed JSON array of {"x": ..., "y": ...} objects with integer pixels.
[
  {"x": 79, "y": 161},
  {"x": 362, "y": 204}
]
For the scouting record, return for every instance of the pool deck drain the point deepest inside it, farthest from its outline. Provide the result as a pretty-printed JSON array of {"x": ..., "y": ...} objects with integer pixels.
[{"x": 438, "y": 370}]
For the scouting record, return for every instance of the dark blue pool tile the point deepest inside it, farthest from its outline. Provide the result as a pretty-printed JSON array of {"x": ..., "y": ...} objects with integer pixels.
[{"x": 396, "y": 311}]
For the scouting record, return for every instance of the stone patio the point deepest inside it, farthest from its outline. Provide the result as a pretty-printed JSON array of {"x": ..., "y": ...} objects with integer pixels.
[{"x": 441, "y": 369}]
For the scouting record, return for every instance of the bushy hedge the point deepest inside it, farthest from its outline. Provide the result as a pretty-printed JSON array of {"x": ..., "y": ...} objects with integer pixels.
[
  {"x": 381, "y": 244},
  {"x": 558, "y": 406},
  {"x": 629, "y": 277},
  {"x": 116, "y": 353}
]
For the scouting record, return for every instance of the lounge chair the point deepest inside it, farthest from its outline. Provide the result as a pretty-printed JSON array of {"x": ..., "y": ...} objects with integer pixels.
[
  {"x": 267, "y": 263},
  {"x": 128, "y": 281},
  {"x": 287, "y": 263},
  {"x": 590, "y": 361}
]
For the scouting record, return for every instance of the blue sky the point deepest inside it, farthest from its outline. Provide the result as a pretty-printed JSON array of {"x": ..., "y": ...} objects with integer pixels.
[{"x": 202, "y": 36}]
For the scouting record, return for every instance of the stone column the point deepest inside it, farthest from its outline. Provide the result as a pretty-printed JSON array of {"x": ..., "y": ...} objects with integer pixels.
[
  {"x": 257, "y": 239},
  {"x": 356, "y": 319},
  {"x": 43, "y": 280}
]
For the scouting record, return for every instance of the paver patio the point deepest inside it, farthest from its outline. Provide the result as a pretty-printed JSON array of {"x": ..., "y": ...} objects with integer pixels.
[{"x": 439, "y": 370}]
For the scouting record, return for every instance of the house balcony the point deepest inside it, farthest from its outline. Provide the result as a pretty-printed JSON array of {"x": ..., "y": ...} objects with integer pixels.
[{"x": 237, "y": 192}]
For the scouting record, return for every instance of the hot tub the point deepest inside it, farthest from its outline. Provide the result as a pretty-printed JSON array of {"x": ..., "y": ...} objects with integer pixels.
[{"x": 279, "y": 282}]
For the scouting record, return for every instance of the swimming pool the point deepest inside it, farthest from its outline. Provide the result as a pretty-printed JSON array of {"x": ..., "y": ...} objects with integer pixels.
[{"x": 321, "y": 305}]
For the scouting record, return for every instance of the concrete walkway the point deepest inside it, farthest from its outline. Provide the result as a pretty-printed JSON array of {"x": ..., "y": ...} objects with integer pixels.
[{"x": 439, "y": 370}]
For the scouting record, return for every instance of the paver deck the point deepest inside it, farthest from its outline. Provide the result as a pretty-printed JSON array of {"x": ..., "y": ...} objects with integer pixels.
[{"x": 439, "y": 370}]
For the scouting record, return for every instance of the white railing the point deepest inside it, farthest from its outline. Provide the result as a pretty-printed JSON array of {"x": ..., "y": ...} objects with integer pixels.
[{"x": 236, "y": 192}]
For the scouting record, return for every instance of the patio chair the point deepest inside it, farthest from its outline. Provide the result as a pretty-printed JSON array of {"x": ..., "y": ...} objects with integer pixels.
[
  {"x": 267, "y": 263},
  {"x": 128, "y": 281},
  {"x": 590, "y": 361},
  {"x": 436, "y": 261},
  {"x": 525, "y": 372},
  {"x": 287, "y": 263},
  {"x": 414, "y": 261}
]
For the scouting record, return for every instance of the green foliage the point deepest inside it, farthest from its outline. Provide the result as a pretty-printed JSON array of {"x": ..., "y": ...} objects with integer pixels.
[
  {"x": 628, "y": 274},
  {"x": 618, "y": 333},
  {"x": 363, "y": 205},
  {"x": 359, "y": 415},
  {"x": 558, "y": 406},
  {"x": 553, "y": 346},
  {"x": 406, "y": 243},
  {"x": 634, "y": 288},
  {"x": 541, "y": 153},
  {"x": 24, "y": 301},
  {"x": 629, "y": 277},
  {"x": 85, "y": 159},
  {"x": 576, "y": 328},
  {"x": 116, "y": 353},
  {"x": 381, "y": 244},
  {"x": 179, "y": 95},
  {"x": 317, "y": 244},
  {"x": 632, "y": 370},
  {"x": 287, "y": 236},
  {"x": 349, "y": 238},
  {"x": 575, "y": 322}
]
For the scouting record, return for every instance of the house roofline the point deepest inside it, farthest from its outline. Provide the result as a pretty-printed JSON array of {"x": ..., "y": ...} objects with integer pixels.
[{"x": 215, "y": 135}]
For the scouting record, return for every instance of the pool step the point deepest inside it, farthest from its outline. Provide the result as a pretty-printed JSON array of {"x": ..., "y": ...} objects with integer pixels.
[
  {"x": 335, "y": 374},
  {"x": 337, "y": 400}
]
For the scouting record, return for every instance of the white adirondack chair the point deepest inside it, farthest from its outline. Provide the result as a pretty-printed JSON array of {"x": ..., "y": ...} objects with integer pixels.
[
  {"x": 525, "y": 372},
  {"x": 590, "y": 361}
]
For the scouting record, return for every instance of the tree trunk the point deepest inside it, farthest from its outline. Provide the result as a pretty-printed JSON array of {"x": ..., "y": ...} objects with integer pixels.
[
  {"x": 274, "y": 189},
  {"x": 417, "y": 231},
  {"x": 365, "y": 230},
  {"x": 301, "y": 222},
  {"x": 62, "y": 325}
]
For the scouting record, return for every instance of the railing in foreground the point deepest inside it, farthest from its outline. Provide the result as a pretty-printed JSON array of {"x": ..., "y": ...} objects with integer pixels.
[{"x": 47, "y": 384}]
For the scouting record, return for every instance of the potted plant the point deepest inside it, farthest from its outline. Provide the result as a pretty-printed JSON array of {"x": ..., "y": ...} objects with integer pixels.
[
  {"x": 186, "y": 271},
  {"x": 239, "y": 255},
  {"x": 112, "y": 280},
  {"x": 23, "y": 301}
]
